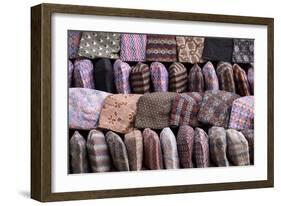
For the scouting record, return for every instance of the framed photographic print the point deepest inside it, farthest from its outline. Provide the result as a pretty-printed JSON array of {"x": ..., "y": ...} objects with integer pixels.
[{"x": 130, "y": 102}]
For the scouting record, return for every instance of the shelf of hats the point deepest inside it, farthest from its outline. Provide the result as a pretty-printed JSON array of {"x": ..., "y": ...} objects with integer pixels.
[{"x": 141, "y": 102}]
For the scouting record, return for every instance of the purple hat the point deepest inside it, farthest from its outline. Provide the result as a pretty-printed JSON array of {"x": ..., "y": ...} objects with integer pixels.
[
  {"x": 196, "y": 79},
  {"x": 83, "y": 74},
  {"x": 70, "y": 73},
  {"x": 121, "y": 71},
  {"x": 210, "y": 77},
  {"x": 159, "y": 77},
  {"x": 201, "y": 148},
  {"x": 73, "y": 43}
]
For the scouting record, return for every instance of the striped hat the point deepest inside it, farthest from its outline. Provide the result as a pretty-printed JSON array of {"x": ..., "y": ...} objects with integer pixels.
[
  {"x": 133, "y": 47},
  {"x": 250, "y": 76},
  {"x": 225, "y": 76},
  {"x": 98, "y": 152},
  {"x": 215, "y": 108},
  {"x": 134, "y": 144},
  {"x": 201, "y": 148},
  {"x": 118, "y": 151},
  {"x": 242, "y": 113},
  {"x": 83, "y": 74},
  {"x": 140, "y": 78},
  {"x": 152, "y": 150},
  {"x": 195, "y": 79},
  {"x": 185, "y": 108},
  {"x": 121, "y": 72},
  {"x": 70, "y": 73},
  {"x": 185, "y": 140},
  {"x": 249, "y": 135},
  {"x": 177, "y": 77},
  {"x": 210, "y": 77},
  {"x": 237, "y": 148},
  {"x": 73, "y": 44},
  {"x": 161, "y": 48},
  {"x": 241, "y": 81},
  {"x": 159, "y": 77},
  {"x": 84, "y": 107},
  {"x": 78, "y": 154},
  {"x": 218, "y": 145},
  {"x": 169, "y": 149}
]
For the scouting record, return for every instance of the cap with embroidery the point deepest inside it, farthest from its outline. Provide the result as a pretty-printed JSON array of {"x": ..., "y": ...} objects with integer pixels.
[{"x": 83, "y": 74}]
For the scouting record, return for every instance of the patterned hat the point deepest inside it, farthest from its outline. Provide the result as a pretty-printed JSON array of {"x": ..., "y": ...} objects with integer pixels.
[
  {"x": 201, "y": 148},
  {"x": 152, "y": 150},
  {"x": 73, "y": 44},
  {"x": 195, "y": 79},
  {"x": 140, "y": 78},
  {"x": 153, "y": 110},
  {"x": 185, "y": 108},
  {"x": 99, "y": 44},
  {"x": 185, "y": 140},
  {"x": 159, "y": 77},
  {"x": 237, "y": 148},
  {"x": 215, "y": 108},
  {"x": 190, "y": 49},
  {"x": 83, "y": 74},
  {"x": 133, "y": 47},
  {"x": 210, "y": 77},
  {"x": 78, "y": 154},
  {"x": 218, "y": 145},
  {"x": 250, "y": 77},
  {"x": 121, "y": 71},
  {"x": 134, "y": 144},
  {"x": 84, "y": 107},
  {"x": 242, "y": 113},
  {"x": 98, "y": 152},
  {"x": 218, "y": 49},
  {"x": 241, "y": 81},
  {"x": 177, "y": 77},
  {"x": 118, "y": 151},
  {"x": 118, "y": 112},
  {"x": 225, "y": 76},
  {"x": 70, "y": 73},
  {"x": 103, "y": 75},
  {"x": 249, "y": 135},
  {"x": 169, "y": 149},
  {"x": 243, "y": 51},
  {"x": 161, "y": 48}
]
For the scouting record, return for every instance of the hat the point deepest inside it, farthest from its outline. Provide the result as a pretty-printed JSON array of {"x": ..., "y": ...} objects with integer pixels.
[
  {"x": 237, "y": 148},
  {"x": 190, "y": 49},
  {"x": 84, "y": 107},
  {"x": 210, "y": 77},
  {"x": 152, "y": 150},
  {"x": 70, "y": 73},
  {"x": 185, "y": 108},
  {"x": 133, "y": 47},
  {"x": 118, "y": 151},
  {"x": 99, "y": 44},
  {"x": 159, "y": 77},
  {"x": 169, "y": 149},
  {"x": 242, "y": 113},
  {"x": 161, "y": 48},
  {"x": 215, "y": 108},
  {"x": 241, "y": 81},
  {"x": 134, "y": 144},
  {"x": 83, "y": 74},
  {"x": 218, "y": 146},
  {"x": 250, "y": 77},
  {"x": 121, "y": 71},
  {"x": 153, "y": 110},
  {"x": 78, "y": 154},
  {"x": 201, "y": 148},
  {"x": 195, "y": 79},
  {"x": 140, "y": 78},
  {"x": 118, "y": 112},
  {"x": 103, "y": 75},
  {"x": 243, "y": 51},
  {"x": 177, "y": 77},
  {"x": 249, "y": 135},
  {"x": 218, "y": 49},
  {"x": 185, "y": 140},
  {"x": 225, "y": 76},
  {"x": 98, "y": 152},
  {"x": 73, "y": 44}
]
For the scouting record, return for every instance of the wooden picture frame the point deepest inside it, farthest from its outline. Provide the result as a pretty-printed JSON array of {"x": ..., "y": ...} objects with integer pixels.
[{"x": 41, "y": 118}]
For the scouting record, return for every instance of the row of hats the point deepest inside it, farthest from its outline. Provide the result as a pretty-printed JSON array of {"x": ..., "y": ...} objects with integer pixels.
[
  {"x": 142, "y": 78},
  {"x": 139, "y": 150},
  {"x": 90, "y": 109},
  {"x": 155, "y": 47}
]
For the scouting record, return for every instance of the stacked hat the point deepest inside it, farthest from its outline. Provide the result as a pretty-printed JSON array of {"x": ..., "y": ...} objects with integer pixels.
[
  {"x": 249, "y": 135},
  {"x": 121, "y": 71},
  {"x": 159, "y": 77},
  {"x": 250, "y": 76},
  {"x": 241, "y": 81},
  {"x": 83, "y": 74},
  {"x": 140, "y": 78},
  {"x": 243, "y": 51},
  {"x": 73, "y": 44},
  {"x": 225, "y": 76},
  {"x": 177, "y": 77},
  {"x": 195, "y": 79},
  {"x": 210, "y": 77},
  {"x": 201, "y": 148},
  {"x": 70, "y": 73}
]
